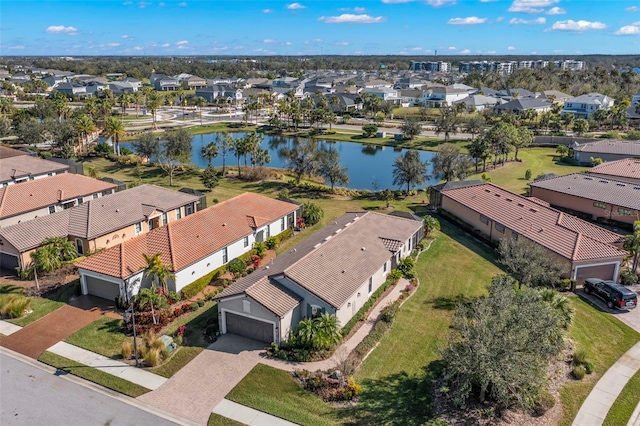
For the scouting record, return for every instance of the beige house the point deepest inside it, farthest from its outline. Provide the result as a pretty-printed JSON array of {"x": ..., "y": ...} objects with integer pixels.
[
  {"x": 43, "y": 197},
  {"x": 17, "y": 166},
  {"x": 98, "y": 223},
  {"x": 585, "y": 250},
  {"x": 591, "y": 196},
  {"x": 625, "y": 170}
]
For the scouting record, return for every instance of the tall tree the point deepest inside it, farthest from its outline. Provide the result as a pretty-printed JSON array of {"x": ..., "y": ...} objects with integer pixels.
[
  {"x": 411, "y": 127},
  {"x": 61, "y": 104},
  {"x": 52, "y": 254},
  {"x": 225, "y": 144},
  {"x": 480, "y": 150},
  {"x": 330, "y": 168},
  {"x": 523, "y": 139},
  {"x": 175, "y": 152},
  {"x": 409, "y": 169},
  {"x": 529, "y": 263},
  {"x": 475, "y": 125},
  {"x": 501, "y": 137},
  {"x": 154, "y": 102},
  {"x": 449, "y": 163},
  {"x": 147, "y": 146},
  {"x": 84, "y": 126},
  {"x": 209, "y": 152},
  {"x": 447, "y": 122},
  {"x": 301, "y": 158},
  {"x": 114, "y": 130}
]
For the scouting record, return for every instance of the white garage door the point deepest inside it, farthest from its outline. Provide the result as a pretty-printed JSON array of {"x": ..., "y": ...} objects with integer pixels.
[
  {"x": 249, "y": 327},
  {"x": 101, "y": 288},
  {"x": 604, "y": 272}
]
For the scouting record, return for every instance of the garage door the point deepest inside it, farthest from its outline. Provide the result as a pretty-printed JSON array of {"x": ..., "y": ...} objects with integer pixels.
[
  {"x": 604, "y": 272},
  {"x": 248, "y": 327},
  {"x": 9, "y": 262},
  {"x": 101, "y": 288}
]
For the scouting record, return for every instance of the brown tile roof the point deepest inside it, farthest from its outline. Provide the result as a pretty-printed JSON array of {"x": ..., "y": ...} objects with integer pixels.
[
  {"x": 568, "y": 236},
  {"x": 628, "y": 167},
  {"x": 274, "y": 296},
  {"x": 36, "y": 194},
  {"x": 336, "y": 261},
  {"x": 611, "y": 146},
  {"x": 22, "y": 166},
  {"x": 190, "y": 239},
  {"x": 96, "y": 217},
  {"x": 6, "y": 152},
  {"x": 594, "y": 188}
]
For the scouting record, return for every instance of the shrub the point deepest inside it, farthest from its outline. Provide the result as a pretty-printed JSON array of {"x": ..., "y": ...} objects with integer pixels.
[
  {"x": 579, "y": 372},
  {"x": 200, "y": 303},
  {"x": 395, "y": 275},
  {"x": 173, "y": 297},
  {"x": 14, "y": 305},
  {"x": 628, "y": 278},
  {"x": 127, "y": 349},
  {"x": 527, "y": 174},
  {"x": 271, "y": 243},
  {"x": 311, "y": 213},
  {"x": 422, "y": 245},
  {"x": 194, "y": 306},
  {"x": 406, "y": 266},
  {"x": 153, "y": 358},
  {"x": 178, "y": 340},
  {"x": 260, "y": 248},
  {"x": 236, "y": 267},
  {"x": 546, "y": 401},
  {"x": 389, "y": 312},
  {"x": 196, "y": 287},
  {"x": 579, "y": 357}
]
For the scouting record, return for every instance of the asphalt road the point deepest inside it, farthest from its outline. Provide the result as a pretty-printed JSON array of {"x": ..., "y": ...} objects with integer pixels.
[{"x": 34, "y": 396}]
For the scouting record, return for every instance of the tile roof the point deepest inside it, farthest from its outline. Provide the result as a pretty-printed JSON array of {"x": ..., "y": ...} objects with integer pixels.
[
  {"x": 568, "y": 236},
  {"x": 97, "y": 217},
  {"x": 337, "y": 260},
  {"x": 610, "y": 146},
  {"x": 6, "y": 152},
  {"x": 190, "y": 239},
  {"x": 628, "y": 167},
  {"x": 40, "y": 193},
  {"x": 274, "y": 296},
  {"x": 594, "y": 188},
  {"x": 22, "y": 166}
]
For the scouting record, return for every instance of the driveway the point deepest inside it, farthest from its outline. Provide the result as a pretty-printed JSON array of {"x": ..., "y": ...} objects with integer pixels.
[
  {"x": 200, "y": 385},
  {"x": 629, "y": 317}
]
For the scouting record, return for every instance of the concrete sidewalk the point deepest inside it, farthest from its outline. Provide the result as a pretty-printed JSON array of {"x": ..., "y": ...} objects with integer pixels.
[
  {"x": 249, "y": 416},
  {"x": 635, "y": 417},
  {"x": 7, "y": 328},
  {"x": 595, "y": 408},
  {"x": 108, "y": 365}
]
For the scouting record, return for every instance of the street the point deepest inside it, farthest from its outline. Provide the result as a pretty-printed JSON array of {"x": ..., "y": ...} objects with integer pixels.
[{"x": 33, "y": 396}]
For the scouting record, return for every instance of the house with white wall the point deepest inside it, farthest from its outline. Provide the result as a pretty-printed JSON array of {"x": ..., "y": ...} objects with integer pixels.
[
  {"x": 191, "y": 247},
  {"x": 584, "y": 106},
  {"x": 335, "y": 271},
  {"x": 17, "y": 166}
]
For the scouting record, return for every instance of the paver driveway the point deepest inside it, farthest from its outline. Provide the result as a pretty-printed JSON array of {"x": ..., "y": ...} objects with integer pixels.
[{"x": 200, "y": 385}]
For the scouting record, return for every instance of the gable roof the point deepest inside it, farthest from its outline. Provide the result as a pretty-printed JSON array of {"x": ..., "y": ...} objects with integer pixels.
[
  {"x": 608, "y": 191},
  {"x": 6, "y": 152},
  {"x": 40, "y": 193},
  {"x": 22, "y": 166},
  {"x": 566, "y": 235},
  {"x": 610, "y": 146},
  {"x": 190, "y": 239},
  {"x": 522, "y": 104},
  {"x": 337, "y": 260},
  {"x": 628, "y": 168}
]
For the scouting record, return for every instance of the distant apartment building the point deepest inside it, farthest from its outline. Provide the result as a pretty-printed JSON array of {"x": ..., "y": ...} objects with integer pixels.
[
  {"x": 511, "y": 66},
  {"x": 433, "y": 66}
]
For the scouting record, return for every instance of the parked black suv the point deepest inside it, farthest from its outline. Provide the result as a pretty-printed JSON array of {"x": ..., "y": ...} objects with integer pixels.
[{"x": 615, "y": 295}]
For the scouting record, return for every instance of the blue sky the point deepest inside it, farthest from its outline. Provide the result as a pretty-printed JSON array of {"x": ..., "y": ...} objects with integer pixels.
[{"x": 239, "y": 27}]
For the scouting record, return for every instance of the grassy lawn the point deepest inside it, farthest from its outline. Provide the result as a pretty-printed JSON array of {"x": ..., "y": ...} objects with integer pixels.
[
  {"x": 605, "y": 339},
  {"x": 621, "y": 410},
  {"x": 218, "y": 420},
  {"x": 103, "y": 336},
  {"x": 39, "y": 306},
  {"x": 93, "y": 375},
  {"x": 276, "y": 392}
]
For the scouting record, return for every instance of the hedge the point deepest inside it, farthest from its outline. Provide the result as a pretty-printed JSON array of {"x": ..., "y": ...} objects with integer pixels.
[
  {"x": 360, "y": 316},
  {"x": 196, "y": 287}
]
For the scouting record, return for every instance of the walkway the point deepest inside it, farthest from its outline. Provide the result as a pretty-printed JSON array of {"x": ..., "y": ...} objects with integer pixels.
[
  {"x": 34, "y": 338},
  {"x": 635, "y": 417},
  {"x": 6, "y": 328},
  {"x": 595, "y": 408},
  {"x": 115, "y": 368},
  {"x": 248, "y": 416}
]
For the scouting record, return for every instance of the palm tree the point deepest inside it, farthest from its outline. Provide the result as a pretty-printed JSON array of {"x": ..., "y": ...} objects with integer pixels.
[
  {"x": 430, "y": 224},
  {"x": 562, "y": 150},
  {"x": 53, "y": 253},
  {"x": 124, "y": 99},
  {"x": 560, "y": 304},
  {"x": 138, "y": 98},
  {"x": 61, "y": 104},
  {"x": 633, "y": 245},
  {"x": 209, "y": 152},
  {"x": 327, "y": 331},
  {"x": 84, "y": 125},
  {"x": 157, "y": 270},
  {"x": 154, "y": 101},
  {"x": 200, "y": 102},
  {"x": 114, "y": 129}
]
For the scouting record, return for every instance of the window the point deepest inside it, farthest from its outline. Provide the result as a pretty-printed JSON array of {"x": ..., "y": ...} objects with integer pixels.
[
  {"x": 384, "y": 267},
  {"x": 178, "y": 213},
  {"x": 246, "y": 306},
  {"x": 79, "y": 246},
  {"x": 314, "y": 311},
  {"x": 282, "y": 224},
  {"x": 499, "y": 228},
  {"x": 188, "y": 209},
  {"x": 80, "y": 200},
  {"x": 246, "y": 241},
  {"x": 484, "y": 219},
  {"x": 165, "y": 219},
  {"x": 626, "y": 212},
  {"x": 52, "y": 209},
  {"x": 225, "y": 255},
  {"x": 600, "y": 205},
  {"x": 370, "y": 284},
  {"x": 514, "y": 236},
  {"x": 49, "y": 174},
  {"x": 268, "y": 231},
  {"x": 107, "y": 192},
  {"x": 95, "y": 196},
  {"x": 138, "y": 227}
]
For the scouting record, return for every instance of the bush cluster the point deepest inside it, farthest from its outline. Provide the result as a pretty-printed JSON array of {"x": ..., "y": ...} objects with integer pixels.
[
  {"x": 198, "y": 285},
  {"x": 330, "y": 386},
  {"x": 312, "y": 339},
  {"x": 14, "y": 305},
  {"x": 581, "y": 364},
  {"x": 628, "y": 278},
  {"x": 361, "y": 314},
  {"x": 150, "y": 348}
]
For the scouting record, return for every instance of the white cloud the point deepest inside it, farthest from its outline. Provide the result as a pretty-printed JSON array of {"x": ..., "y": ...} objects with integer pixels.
[
  {"x": 268, "y": 41},
  {"x": 519, "y": 21},
  {"x": 556, "y": 11},
  {"x": 267, "y": 11},
  {"x": 487, "y": 1},
  {"x": 57, "y": 29},
  {"x": 632, "y": 9},
  {"x": 396, "y": 1},
  {"x": 465, "y": 52},
  {"x": 138, "y": 48},
  {"x": 125, "y": 36},
  {"x": 295, "y": 6},
  {"x": 355, "y": 9},
  {"x": 165, "y": 45},
  {"x": 220, "y": 49},
  {"x": 531, "y": 6},
  {"x": 161, "y": 4},
  {"x": 17, "y": 47},
  {"x": 491, "y": 52},
  {"x": 127, "y": 3},
  {"x": 629, "y": 29},
  {"x": 471, "y": 20},
  {"x": 416, "y": 49},
  {"x": 452, "y": 48},
  {"x": 500, "y": 19},
  {"x": 439, "y": 3},
  {"x": 112, "y": 44},
  {"x": 579, "y": 26},
  {"x": 557, "y": 51},
  {"x": 143, "y": 4},
  {"x": 182, "y": 4},
  {"x": 182, "y": 43},
  {"x": 359, "y": 9},
  {"x": 287, "y": 43},
  {"x": 349, "y": 18},
  {"x": 341, "y": 43},
  {"x": 511, "y": 48}
]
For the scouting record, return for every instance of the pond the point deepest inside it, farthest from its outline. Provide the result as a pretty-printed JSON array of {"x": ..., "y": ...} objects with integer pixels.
[{"x": 369, "y": 166}]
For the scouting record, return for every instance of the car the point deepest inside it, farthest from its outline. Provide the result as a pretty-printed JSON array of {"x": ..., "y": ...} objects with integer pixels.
[{"x": 614, "y": 295}]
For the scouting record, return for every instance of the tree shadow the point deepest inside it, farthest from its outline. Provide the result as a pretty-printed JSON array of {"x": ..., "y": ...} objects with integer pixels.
[
  {"x": 470, "y": 241},
  {"x": 397, "y": 399},
  {"x": 11, "y": 289},
  {"x": 449, "y": 303}
]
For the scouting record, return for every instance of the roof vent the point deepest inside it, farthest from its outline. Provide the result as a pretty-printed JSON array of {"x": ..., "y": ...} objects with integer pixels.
[
  {"x": 117, "y": 210},
  {"x": 362, "y": 248},
  {"x": 343, "y": 271},
  {"x": 224, "y": 224}
]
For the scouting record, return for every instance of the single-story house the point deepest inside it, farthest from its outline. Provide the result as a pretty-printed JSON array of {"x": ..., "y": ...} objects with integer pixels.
[
  {"x": 191, "y": 247},
  {"x": 519, "y": 105},
  {"x": 42, "y": 197},
  {"x": 605, "y": 149},
  {"x": 594, "y": 197},
  {"x": 585, "y": 250},
  {"x": 626, "y": 170},
  {"x": 16, "y": 166},
  {"x": 479, "y": 102},
  {"x": 335, "y": 271},
  {"x": 97, "y": 223}
]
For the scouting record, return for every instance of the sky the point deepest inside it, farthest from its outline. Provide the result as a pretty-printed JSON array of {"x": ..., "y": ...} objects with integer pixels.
[{"x": 319, "y": 27}]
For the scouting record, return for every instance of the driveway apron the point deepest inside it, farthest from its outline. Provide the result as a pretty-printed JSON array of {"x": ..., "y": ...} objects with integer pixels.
[{"x": 203, "y": 383}]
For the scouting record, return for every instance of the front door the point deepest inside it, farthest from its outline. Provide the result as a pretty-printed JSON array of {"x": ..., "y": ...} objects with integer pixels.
[
  {"x": 260, "y": 236},
  {"x": 79, "y": 247}
]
